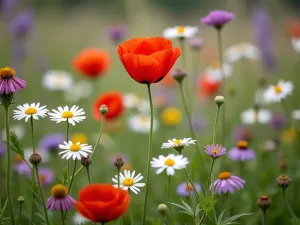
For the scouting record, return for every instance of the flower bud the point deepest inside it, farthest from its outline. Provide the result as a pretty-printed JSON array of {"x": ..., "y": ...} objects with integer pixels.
[
  {"x": 162, "y": 209},
  {"x": 119, "y": 162},
  {"x": 283, "y": 181},
  {"x": 21, "y": 199},
  {"x": 178, "y": 75},
  {"x": 264, "y": 202},
  {"x": 86, "y": 161},
  {"x": 219, "y": 100},
  {"x": 35, "y": 159},
  {"x": 103, "y": 110}
]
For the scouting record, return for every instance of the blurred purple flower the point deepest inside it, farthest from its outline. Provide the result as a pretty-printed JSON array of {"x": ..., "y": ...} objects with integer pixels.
[
  {"x": 46, "y": 176},
  {"x": 217, "y": 18},
  {"x": 196, "y": 43},
  {"x": 7, "y": 6},
  {"x": 242, "y": 133},
  {"x": 278, "y": 121},
  {"x": 116, "y": 32},
  {"x": 163, "y": 97},
  {"x": 262, "y": 25},
  {"x": 50, "y": 142},
  {"x": 241, "y": 152},
  {"x": 182, "y": 189},
  {"x": 198, "y": 123},
  {"x": 22, "y": 24},
  {"x": 2, "y": 149},
  {"x": 22, "y": 168}
]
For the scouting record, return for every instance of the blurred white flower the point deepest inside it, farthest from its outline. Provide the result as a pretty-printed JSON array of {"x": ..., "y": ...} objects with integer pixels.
[
  {"x": 214, "y": 72},
  {"x": 129, "y": 181},
  {"x": 74, "y": 150},
  {"x": 275, "y": 93},
  {"x": 140, "y": 123},
  {"x": 78, "y": 219},
  {"x": 130, "y": 100},
  {"x": 72, "y": 115},
  {"x": 175, "y": 143},
  {"x": 180, "y": 32},
  {"x": 296, "y": 114},
  {"x": 295, "y": 42},
  {"x": 57, "y": 80},
  {"x": 143, "y": 106},
  {"x": 26, "y": 111},
  {"x": 81, "y": 90},
  {"x": 252, "y": 116},
  {"x": 241, "y": 50},
  {"x": 18, "y": 129}
]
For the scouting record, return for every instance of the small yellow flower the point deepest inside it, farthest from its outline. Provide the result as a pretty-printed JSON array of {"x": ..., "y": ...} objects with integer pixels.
[
  {"x": 289, "y": 135},
  {"x": 171, "y": 116},
  {"x": 79, "y": 137}
]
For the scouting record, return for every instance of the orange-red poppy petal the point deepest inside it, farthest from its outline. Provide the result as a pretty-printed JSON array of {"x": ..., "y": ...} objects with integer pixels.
[
  {"x": 163, "y": 58},
  {"x": 84, "y": 211},
  {"x": 160, "y": 43},
  {"x": 132, "y": 44}
]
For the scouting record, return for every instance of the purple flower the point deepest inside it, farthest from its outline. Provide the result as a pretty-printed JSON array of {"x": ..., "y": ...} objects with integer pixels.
[
  {"x": 217, "y": 18},
  {"x": 215, "y": 151},
  {"x": 2, "y": 149},
  {"x": 50, "y": 142},
  {"x": 9, "y": 83},
  {"x": 196, "y": 43},
  {"x": 278, "y": 121},
  {"x": 21, "y": 167},
  {"x": 22, "y": 24},
  {"x": 183, "y": 189},
  {"x": 241, "y": 152},
  {"x": 46, "y": 176},
  {"x": 60, "y": 200},
  {"x": 198, "y": 123},
  {"x": 227, "y": 183},
  {"x": 116, "y": 33},
  {"x": 242, "y": 133}
]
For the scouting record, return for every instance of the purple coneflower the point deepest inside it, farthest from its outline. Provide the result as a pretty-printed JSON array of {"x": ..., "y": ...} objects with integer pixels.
[
  {"x": 2, "y": 149},
  {"x": 60, "y": 200},
  {"x": 46, "y": 176},
  {"x": 215, "y": 151},
  {"x": 183, "y": 189},
  {"x": 241, "y": 152},
  {"x": 50, "y": 142},
  {"x": 9, "y": 83},
  {"x": 116, "y": 32},
  {"x": 22, "y": 24},
  {"x": 217, "y": 18},
  {"x": 227, "y": 183}
]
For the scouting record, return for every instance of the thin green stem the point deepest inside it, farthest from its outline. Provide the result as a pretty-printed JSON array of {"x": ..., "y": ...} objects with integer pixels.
[
  {"x": 20, "y": 212},
  {"x": 287, "y": 113},
  {"x": 8, "y": 169},
  {"x": 191, "y": 182},
  {"x": 183, "y": 62},
  {"x": 67, "y": 136},
  {"x": 118, "y": 169},
  {"x": 170, "y": 200},
  {"x": 149, "y": 154},
  {"x": 216, "y": 125},
  {"x": 62, "y": 216},
  {"x": 220, "y": 50},
  {"x": 88, "y": 174},
  {"x": 32, "y": 134},
  {"x": 189, "y": 192},
  {"x": 96, "y": 145},
  {"x": 209, "y": 176},
  {"x": 202, "y": 218},
  {"x": 73, "y": 175},
  {"x": 41, "y": 193},
  {"x": 288, "y": 205},
  {"x": 130, "y": 209},
  {"x": 264, "y": 217}
]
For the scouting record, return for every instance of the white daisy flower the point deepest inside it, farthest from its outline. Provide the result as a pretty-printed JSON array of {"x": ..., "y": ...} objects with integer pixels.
[
  {"x": 18, "y": 129},
  {"x": 295, "y": 42},
  {"x": 296, "y": 114},
  {"x": 140, "y": 123},
  {"x": 76, "y": 151},
  {"x": 78, "y": 219},
  {"x": 180, "y": 32},
  {"x": 57, "y": 80},
  {"x": 252, "y": 116},
  {"x": 275, "y": 93},
  {"x": 214, "y": 73},
  {"x": 79, "y": 91},
  {"x": 143, "y": 106},
  {"x": 72, "y": 115},
  {"x": 241, "y": 50},
  {"x": 178, "y": 143},
  {"x": 130, "y": 100},
  {"x": 129, "y": 181},
  {"x": 26, "y": 111},
  {"x": 170, "y": 163}
]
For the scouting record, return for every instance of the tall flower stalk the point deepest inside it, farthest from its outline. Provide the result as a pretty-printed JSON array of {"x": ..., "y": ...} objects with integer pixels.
[{"x": 170, "y": 200}]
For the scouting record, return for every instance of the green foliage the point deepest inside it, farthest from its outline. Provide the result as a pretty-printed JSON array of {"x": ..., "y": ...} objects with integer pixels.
[
  {"x": 15, "y": 144},
  {"x": 228, "y": 220},
  {"x": 207, "y": 203},
  {"x": 187, "y": 209}
]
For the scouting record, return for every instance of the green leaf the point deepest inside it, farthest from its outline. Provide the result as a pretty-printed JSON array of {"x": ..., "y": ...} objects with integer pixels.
[
  {"x": 15, "y": 144},
  {"x": 229, "y": 220}
]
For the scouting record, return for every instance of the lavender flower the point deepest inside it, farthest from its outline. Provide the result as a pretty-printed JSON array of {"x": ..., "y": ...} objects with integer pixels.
[
  {"x": 60, "y": 200},
  {"x": 50, "y": 142},
  {"x": 196, "y": 43},
  {"x": 22, "y": 24},
  {"x": 2, "y": 149},
  {"x": 215, "y": 151},
  {"x": 241, "y": 152},
  {"x": 227, "y": 183},
  {"x": 46, "y": 176},
  {"x": 217, "y": 18},
  {"x": 278, "y": 121},
  {"x": 21, "y": 166},
  {"x": 9, "y": 83},
  {"x": 116, "y": 33},
  {"x": 183, "y": 189}
]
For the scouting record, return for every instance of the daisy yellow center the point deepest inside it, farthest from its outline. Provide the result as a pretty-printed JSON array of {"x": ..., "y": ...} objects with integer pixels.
[
  {"x": 180, "y": 29},
  {"x": 30, "y": 111},
  {"x": 177, "y": 142},
  {"x": 277, "y": 89},
  {"x": 171, "y": 116},
  {"x": 7, "y": 72},
  {"x": 243, "y": 144},
  {"x": 128, "y": 182},
  {"x": 75, "y": 148},
  {"x": 224, "y": 175},
  {"x": 169, "y": 162},
  {"x": 67, "y": 115},
  {"x": 189, "y": 187},
  {"x": 79, "y": 137},
  {"x": 59, "y": 191},
  {"x": 216, "y": 151}
]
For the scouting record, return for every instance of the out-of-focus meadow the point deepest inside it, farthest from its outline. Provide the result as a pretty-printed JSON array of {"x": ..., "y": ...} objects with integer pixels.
[{"x": 60, "y": 31}]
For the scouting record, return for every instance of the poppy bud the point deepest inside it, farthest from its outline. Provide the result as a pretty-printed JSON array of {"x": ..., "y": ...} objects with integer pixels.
[
  {"x": 219, "y": 100},
  {"x": 283, "y": 181},
  {"x": 264, "y": 202},
  {"x": 35, "y": 159},
  {"x": 103, "y": 110},
  {"x": 178, "y": 75},
  {"x": 162, "y": 209},
  {"x": 21, "y": 199},
  {"x": 119, "y": 162},
  {"x": 86, "y": 161}
]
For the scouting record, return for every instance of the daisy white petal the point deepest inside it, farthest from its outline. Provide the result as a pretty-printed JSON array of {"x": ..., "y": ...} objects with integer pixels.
[
  {"x": 129, "y": 181},
  {"x": 74, "y": 151}
]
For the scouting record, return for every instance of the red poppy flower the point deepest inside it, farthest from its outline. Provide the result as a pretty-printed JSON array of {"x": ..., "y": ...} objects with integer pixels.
[
  {"x": 208, "y": 87},
  {"x": 114, "y": 103},
  {"x": 102, "y": 202},
  {"x": 293, "y": 28},
  {"x": 91, "y": 62},
  {"x": 148, "y": 60}
]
